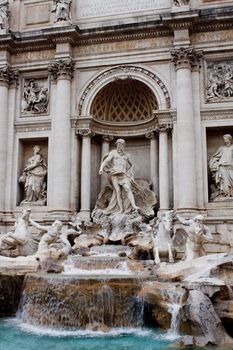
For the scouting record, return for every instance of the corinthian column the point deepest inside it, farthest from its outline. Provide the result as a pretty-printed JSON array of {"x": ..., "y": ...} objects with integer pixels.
[
  {"x": 106, "y": 139},
  {"x": 184, "y": 60},
  {"x": 6, "y": 76},
  {"x": 61, "y": 72},
  {"x": 154, "y": 161},
  {"x": 85, "y": 173},
  {"x": 164, "y": 202}
]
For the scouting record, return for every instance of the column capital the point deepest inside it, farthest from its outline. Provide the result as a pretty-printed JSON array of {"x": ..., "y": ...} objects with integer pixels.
[
  {"x": 86, "y": 133},
  {"x": 165, "y": 127},
  {"x": 150, "y": 135},
  {"x": 8, "y": 75},
  {"x": 186, "y": 57},
  {"x": 107, "y": 138},
  {"x": 61, "y": 69}
]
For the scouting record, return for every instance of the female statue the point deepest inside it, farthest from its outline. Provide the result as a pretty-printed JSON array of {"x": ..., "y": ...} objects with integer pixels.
[{"x": 34, "y": 178}]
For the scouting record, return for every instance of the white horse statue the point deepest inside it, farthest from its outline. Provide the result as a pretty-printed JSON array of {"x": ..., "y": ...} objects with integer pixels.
[{"x": 163, "y": 243}]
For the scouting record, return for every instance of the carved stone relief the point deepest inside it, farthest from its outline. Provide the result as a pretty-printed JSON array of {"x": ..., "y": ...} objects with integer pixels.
[
  {"x": 180, "y": 2},
  {"x": 62, "y": 10},
  {"x": 219, "y": 81},
  {"x": 4, "y": 15},
  {"x": 35, "y": 97}
]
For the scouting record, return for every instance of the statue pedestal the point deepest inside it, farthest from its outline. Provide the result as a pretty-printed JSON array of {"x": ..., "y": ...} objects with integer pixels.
[{"x": 183, "y": 8}]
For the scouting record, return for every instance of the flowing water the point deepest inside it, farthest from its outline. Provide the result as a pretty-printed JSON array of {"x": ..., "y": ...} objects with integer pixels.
[
  {"x": 85, "y": 302},
  {"x": 15, "y": 335}
]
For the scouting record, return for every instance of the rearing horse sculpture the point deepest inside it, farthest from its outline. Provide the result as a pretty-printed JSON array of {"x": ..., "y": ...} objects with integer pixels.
[{"x": 163, "y": 244}]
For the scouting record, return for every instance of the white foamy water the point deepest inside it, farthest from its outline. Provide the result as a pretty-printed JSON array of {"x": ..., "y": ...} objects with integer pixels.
[
  {"x": 79, "y": 333},
  {"x": 123, "y": 269}
]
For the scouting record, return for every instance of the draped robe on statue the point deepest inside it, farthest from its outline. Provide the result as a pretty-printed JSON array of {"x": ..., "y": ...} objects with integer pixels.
[
  {"x": 221, "y": 165},
  {"x": 118, "y": 168}
]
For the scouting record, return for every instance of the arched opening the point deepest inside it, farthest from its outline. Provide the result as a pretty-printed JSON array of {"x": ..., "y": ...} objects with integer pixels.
[{"x": 124, "y": 101}]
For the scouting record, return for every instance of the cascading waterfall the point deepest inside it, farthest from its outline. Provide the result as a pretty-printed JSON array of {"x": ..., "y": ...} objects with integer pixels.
[
  {"x": 82, "y": 301},
  {"x": 174, "y": 308},
  {"x": 174, "y": 299}
]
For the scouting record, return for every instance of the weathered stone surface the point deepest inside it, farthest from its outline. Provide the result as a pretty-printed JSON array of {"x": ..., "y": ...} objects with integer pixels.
[
  {"x": 10, "y": 292},
  {"x": 75, "y": 301},
  {"x": 160, "y": 297},
  {"x": 191, "y": 271},
  {"x": 205, "y": 325}
]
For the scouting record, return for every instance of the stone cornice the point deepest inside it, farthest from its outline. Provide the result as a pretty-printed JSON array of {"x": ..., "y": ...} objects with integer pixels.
[
  {"x": 195, "y": 20},
  {"x": 220, "y": 114},
  {"x": 123, "y": 129},
  {"x": 33, "y": 126}
]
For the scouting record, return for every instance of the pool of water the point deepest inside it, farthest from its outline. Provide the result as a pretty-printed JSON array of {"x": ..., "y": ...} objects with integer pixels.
[{"x": 15, "y": 335}]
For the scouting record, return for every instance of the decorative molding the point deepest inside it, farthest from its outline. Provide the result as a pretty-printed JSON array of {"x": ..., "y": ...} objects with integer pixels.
[
  {"x": 107, "y": 138},
  {"x": 150, "y": 135},
  {"x": 8, "y": 75},
  {"x": 217, "y": 114},
  {"x": 33, "y": 126},
  {"x": 86, "y": 133},
  {"x": 164, "y": 127},
  {"x": 61, "y": 69},
  {"x": 186, "y": 57},
  {"x": 128, "y": 70}
]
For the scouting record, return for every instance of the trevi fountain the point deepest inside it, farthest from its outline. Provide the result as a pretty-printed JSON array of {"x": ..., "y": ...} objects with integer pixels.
[{"x": 116, "y": 177}]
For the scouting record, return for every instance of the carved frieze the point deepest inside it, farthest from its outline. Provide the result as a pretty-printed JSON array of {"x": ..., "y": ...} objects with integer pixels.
[
  {"x": 219, "y": 81},
  {"x": 62, "y": 69},
  {"x": 35, "y": 99},
  {"x": 186, "y": 57}
]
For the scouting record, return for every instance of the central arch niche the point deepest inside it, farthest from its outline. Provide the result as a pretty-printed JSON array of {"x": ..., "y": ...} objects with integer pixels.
[{"x": 124, "y": 101}]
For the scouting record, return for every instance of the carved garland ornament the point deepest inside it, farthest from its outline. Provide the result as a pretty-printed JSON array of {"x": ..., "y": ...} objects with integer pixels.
[{"x": 126, "y": 70}]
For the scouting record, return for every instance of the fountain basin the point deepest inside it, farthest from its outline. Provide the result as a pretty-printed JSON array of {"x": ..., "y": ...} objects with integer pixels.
[{"x": 85, "y": 302}]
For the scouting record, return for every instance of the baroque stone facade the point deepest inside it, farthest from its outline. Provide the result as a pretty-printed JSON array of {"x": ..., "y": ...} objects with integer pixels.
[{"x": 72, "y": 82}]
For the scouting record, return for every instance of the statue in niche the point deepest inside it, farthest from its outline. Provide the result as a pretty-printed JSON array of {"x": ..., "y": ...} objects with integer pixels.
[
  {"x": 62, "y": 10},
  {"x": 179, "y": 3},
  {"x": 34, "y": 178},
  {"x": 197, "y": 234},
  {"x": 4, "y": 15},
  {"x": 124, "y": 195},
  {"x": 221, "y": 167},
  {"x": 19, "y": 242},
  {"x": 219, "y": 81},
  {"x": 35, "y": 97}
]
